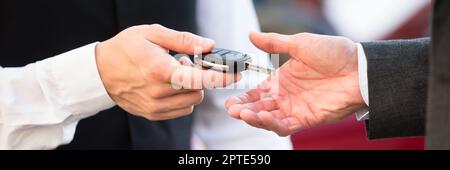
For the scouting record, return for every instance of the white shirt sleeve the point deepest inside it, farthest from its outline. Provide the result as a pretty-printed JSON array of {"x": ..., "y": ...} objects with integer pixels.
[
  {"x": 41, "y": 103},
  {"x": 228, "y": 23},
  {"x": 363, "y": 114}
]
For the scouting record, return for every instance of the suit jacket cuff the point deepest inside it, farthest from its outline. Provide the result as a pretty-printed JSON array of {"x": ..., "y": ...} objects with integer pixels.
[{"x": 397, "y": 78}]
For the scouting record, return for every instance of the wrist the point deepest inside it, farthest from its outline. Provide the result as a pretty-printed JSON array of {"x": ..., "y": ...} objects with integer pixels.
[
  {"x": 104, "y": 65},
  {"x": 362, "y": 74},
  {"x": 358, "y": 102}
]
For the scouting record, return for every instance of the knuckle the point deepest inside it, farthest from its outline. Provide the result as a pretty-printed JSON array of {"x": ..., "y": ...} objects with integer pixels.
[
  {"x": 154, "y": 106},
  {"x": 150, "y": 108},
  {"x": 191, "y": 109},
  {"x": 186, "y": 38},
  {"x": 163, "y": 107},
  {"x": 188, "y": 110},
  {"x": 272, "y": 35},
  {"x": 151, "y": 29},
  {"x": 157, "y": 93},
  {"x": 184, "y": 112},
  {"x": 154, "y": 94},
  {"x": 341, "y": 40},
  {"x": 282, "y": 134},
  {"x": 155, "y": 27},
  {"x": 302, "y": 35},
  {"x": 346, "y": 43},
  {"x": 198, "y": 97},
  {"x": 270, "y": 45},
  {"x": 151, "y": 116},
  {"x": 137, "y": 29},
  {"x": 153, "y": 72},
  {"x": 132, "y": 28}
]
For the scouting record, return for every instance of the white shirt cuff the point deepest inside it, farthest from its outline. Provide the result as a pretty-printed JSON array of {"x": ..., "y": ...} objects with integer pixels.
[
  {"x": 80, "y": 86},
  {"x": 363, "y": 114},
  {"x": 41, "y": 103},
  {"x": 79, "y": 90}
]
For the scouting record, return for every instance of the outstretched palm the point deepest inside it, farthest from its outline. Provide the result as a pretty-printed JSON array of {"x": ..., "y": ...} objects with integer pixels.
[{"x": 318, "y": 85}]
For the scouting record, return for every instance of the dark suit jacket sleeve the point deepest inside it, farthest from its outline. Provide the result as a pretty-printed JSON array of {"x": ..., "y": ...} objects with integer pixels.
[{"x": 397, "y": 77}]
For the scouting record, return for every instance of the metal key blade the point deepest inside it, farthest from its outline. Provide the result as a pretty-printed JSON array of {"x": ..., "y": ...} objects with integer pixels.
[{"x": 260, "y": 69}]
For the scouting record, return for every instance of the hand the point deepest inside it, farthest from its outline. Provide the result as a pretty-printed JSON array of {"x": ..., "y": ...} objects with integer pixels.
[
  {"x": 318, "y": 85},
  {"x": 138, "y": 72}
]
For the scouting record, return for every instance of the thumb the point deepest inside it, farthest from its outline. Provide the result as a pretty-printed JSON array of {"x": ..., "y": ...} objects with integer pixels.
[
  {"x": 189, "y": 77},
  {"x": 182, "y": 42},
  {"x": 273, "y": 42}
]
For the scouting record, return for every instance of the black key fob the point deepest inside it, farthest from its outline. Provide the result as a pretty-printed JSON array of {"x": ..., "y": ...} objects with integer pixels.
[{"x": 223, "y": 60}]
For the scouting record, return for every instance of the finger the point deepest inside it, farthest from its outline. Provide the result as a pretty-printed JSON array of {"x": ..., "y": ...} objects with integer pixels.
[
  {"x": 272, "y": 123},
  {"x": 293, "y": 124},
  {"x": 258, "y": 106},
  {"x": 182, "y": 42},
  {"x": 165, "y": 90},
  {"x": 232, "y": 101},
  {"x": 195, "y": 78},
  {"x": 179, "y": 101},
  {"x": 143, "y": 52},
  {"x": 266, "y": 104},
  {"x": 170, "y": 115},
  {"x": 272, "y": 42},
  {"x": 278, "y": 114},
  {"x": 235, "y": 111},
  {"x": 266, "y": 85},
  {"x": 251, "y": 118},
  {"x": 186, "y": 61},
  {"x": 249, "y": 96},
  {"x": 234, "y": 105}
]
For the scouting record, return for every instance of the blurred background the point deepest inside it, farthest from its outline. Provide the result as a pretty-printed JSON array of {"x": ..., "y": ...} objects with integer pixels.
[{"x": 359, "y": 20}]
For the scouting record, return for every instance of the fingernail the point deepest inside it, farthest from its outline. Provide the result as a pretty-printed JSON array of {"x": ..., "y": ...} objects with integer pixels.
[
  {"x": 208, "y": 42},
  {"x": 186, "y": 61}
]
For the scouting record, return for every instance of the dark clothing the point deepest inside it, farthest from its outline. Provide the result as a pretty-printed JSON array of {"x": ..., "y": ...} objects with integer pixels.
[
  {"x": 34, "y": 30},
  {"x": 409, "y": 84}
]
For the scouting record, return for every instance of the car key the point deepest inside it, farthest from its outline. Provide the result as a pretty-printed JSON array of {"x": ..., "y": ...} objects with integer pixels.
[{"x": 225, "y": 60}]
